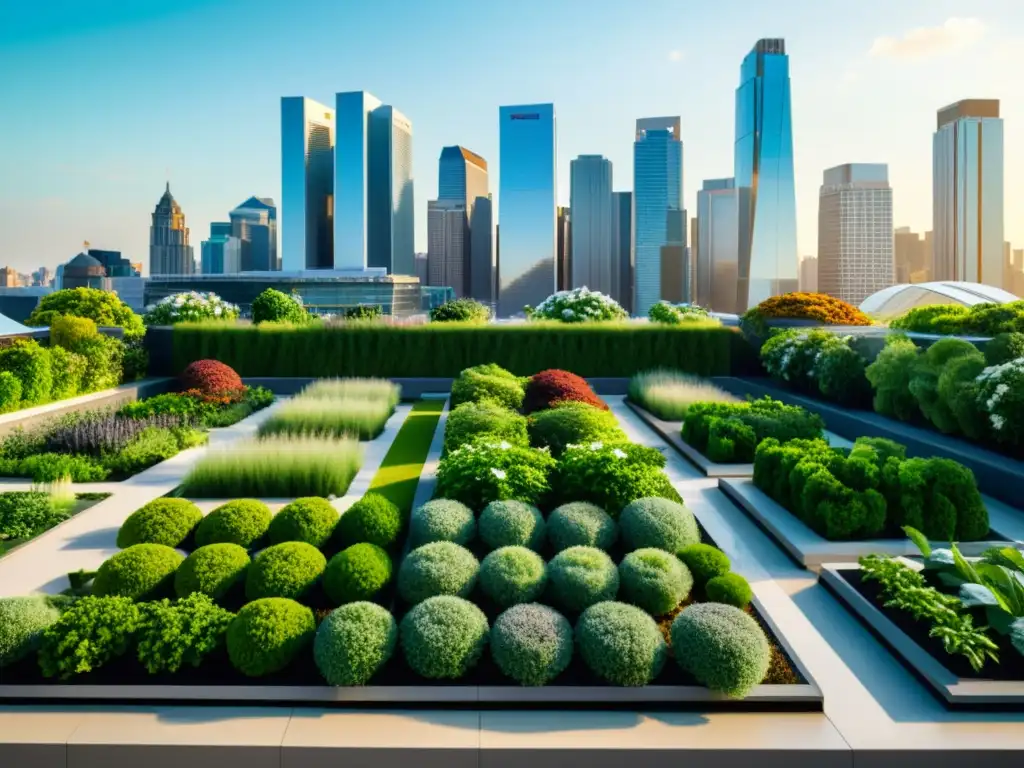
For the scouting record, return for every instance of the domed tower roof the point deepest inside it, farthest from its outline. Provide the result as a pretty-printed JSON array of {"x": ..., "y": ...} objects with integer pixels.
[{"x": 84, "y": 261}]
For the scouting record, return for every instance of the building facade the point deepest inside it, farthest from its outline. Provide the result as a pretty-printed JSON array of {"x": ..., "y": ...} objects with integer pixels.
[
  {"x": 659, "y": 221},
  {"x": 622, "y": 246},
  {"x": 221, "y": 254},
  {"x": 809, "y": 274},
  {"x": 463, "y": 180},
  {"x": 307, "y": 184},
  {"x": 446, "y": 245},
  {"x": 482, "y": 254},
  {"x": 590, "y": 199},
  {"x": 912, "y": 256},
  {"x": 254, "y": 224},
  {"x": 766, "y": 194},
  {"x": 855, "y": 233},
  {"x": 717, "y": 270},
  {"x": 169, "y": 250},
  {"x": 528, "y": 188},
  {"x": 563, "y": 248},
  {"x": 967, "y": 193}
]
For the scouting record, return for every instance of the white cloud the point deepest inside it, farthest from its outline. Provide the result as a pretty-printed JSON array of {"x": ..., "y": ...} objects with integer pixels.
[
  {"x": 926, "y": 42},
  {"x": 675, "y": 56}
]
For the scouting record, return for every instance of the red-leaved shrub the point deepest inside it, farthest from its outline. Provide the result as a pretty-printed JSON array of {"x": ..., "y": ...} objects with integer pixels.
[
  {"x": 212, "y": 378},
  {"x": 549, "y": 388}
]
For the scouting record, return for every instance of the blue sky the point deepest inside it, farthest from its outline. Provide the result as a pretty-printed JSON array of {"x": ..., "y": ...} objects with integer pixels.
[{"x": 102, "y": 100}]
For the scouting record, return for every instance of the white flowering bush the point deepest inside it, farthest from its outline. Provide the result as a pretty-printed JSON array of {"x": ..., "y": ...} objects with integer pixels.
[
  {"x": 818, "y": 362},
  {"x": 675, "y": 314},
  {"x": 611, "y": 475},
  {"x": 1000, "y": 393},
  {"x": 486, "y": 470},
  {"x": 580, "y": 305},
  {"x": 189, "y": 307}
]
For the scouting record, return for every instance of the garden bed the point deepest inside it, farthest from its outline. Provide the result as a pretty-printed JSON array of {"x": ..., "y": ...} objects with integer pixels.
[
  {"x": 950, "y": 678},
  {"x": 82, "y": 502}
]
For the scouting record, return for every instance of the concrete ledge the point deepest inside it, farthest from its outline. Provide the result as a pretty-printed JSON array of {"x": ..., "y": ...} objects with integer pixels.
[{"x": 957, "y": 692}]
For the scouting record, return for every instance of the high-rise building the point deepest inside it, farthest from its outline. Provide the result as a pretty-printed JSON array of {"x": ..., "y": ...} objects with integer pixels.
[
  {"x": 169, "y": 249},
  {"x": 9, "y": 277},
  {"x": 967, "y": 193},
  {"x": 911, "y": 256},
  {"x": 590, "y": 199},
  {"x": 528, "y": 160},
  {"x": 422, "y": 268},
  {"x": 809, "y": 274},
  {"x": 717, "y": 246},
  {"x": 222, "y": 253},
  {"x": 855, "y": 234},
  {"x": 1016, "y": 286},
  {"x": 766, "y": 195},
  {"x": 307, "y": 185},
  {"x": 113, "y": 262},
  {"x": 446, "y": 245},
  {"x": 482, "y": 266},
  {"x": 42, "y": 277},
  {"x": 658, "y": 217},
  {"x": 622, "y": 246},
  {"x": 563, "y": 248},
  {"x": 462, "y": 180},
  {"x": 254, "y": 224}
]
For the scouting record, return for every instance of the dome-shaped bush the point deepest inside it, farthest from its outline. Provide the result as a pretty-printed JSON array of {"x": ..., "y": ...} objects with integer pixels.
[
  {"x": 141, "y": 571},
  {"x": 621, "y": 644},
  {"x": 721, "y": 646},
  {"x": 439, "y": 568},
  {"x": 354, "y": 642},
  {"x": 578, "y": 577},
  {"x": 284, "y": 570},
  {"x": 549, "y": 388},
  {"x": 212, "y": 378},
  {"x": 22, "y": 621},
  {"x": 443, "y": 637},
  {"x": 512, "y": 575},
  {"x": 374, "y": 519},
  {"x": 268, "y": 634},
  {"x": 581, "y": 524},
  {"x": 731, "y": 589},
  {"x": 357, "y": 573},
  {"x": 442, "y": 520},
  {"x": 242, "y": 522},
  {"x": 656, "y": 522},
  {"x": 212, "y": 570},
  {"x": 705, "y": 562},
  {"x": 532, "y": 643},
  {"x": 162, "y": 521},
  {"x": 311, "y": 520},
  {"x": 654, "y": 580},
  {"x": 510, "y": 524}
]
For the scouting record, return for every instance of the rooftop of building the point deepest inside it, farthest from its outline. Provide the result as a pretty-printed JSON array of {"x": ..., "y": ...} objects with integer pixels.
[
  {"x": 967, "y": 108},
  {"x": 312, "y": 275}
]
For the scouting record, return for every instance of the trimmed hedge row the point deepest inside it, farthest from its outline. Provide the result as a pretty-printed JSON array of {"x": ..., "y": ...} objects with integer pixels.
[{"x": 444, "y": 350}]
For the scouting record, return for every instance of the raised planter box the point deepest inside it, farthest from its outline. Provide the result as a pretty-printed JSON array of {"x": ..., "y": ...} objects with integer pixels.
[
  {"x": 811, "y": 550},
  {"x": 955, "y": 691}
]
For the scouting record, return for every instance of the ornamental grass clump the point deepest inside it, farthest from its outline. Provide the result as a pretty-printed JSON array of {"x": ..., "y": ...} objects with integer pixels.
[
  {"x": 479, "y": 473},
  {"x": 532, "y": 644},
  {"x": 579, "y": 577},
  {"x": 572, "y": 423},
  {"x": 22, "y": 621},
  {"x": 354, "y": 642},
  {"x": 377, "y": 390},
  {"x": 443, "y": 637},
  {"x": 213, "y": 570},
  {"x": 475, "y": 419},
  {"x": 669, "y": 394},
  {"x": 277, "y": 467},
  {"x": 269, "y": 634},
  {"x": 621, "y": 644},
  {"x": 654, "y": 580},
  {"x": 580, "y": 305},
  {"x": 138, "y": 572},
  {"x": 91, "y": 632},
  {"x": 311, "y": 520},
  {"x": 242, "y": 522},
  {"x": 513, "y": 575},
  {"x": 287, "y": 570},
  {"x": 611, "y": 475},
  {"x": 581, "y": 524},
  {"x": 357, "y": 573},
  {"x": 161, "y": 521},
  {"x": 374, "y": 519},
  {"x": 511, "y": 523},
  {"x": 362, "y": 419},
  {"x": 440, "y": 568},
  {"x": 187, "y": 631},
  {"x": 552, "y": 387},
  {"x": 660, "y": 523},
  {"x": 442, "y": 520},
  {"x": 721, "y": 646}
]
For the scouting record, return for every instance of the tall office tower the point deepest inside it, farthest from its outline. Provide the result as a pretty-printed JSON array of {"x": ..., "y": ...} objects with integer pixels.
[
  {"x": 422, "y": 268},
  {"x": 967, "y": 193},
  {"x": 590, "y": 199},
  {"x": 658, "y": 216},
  {"x": 1016, "y": 286},
  {"x": 307, "y": 184},
  {"x": 563, "y": 248},
  {"x": 222, "y": 253},
  {"x": 766, "y": 205},
  {"x": 169, "y": 249},
  {"x": 693, "y": 253},
  {"x": 446, "y": 245},
  {"x": 855, "y": 235},
  {"x": 482, "y": 268},
  {"x": 462, "y": 179},
  {"x": 717, "y": 246},
  {"x": 622, "y": 246},
  {"x": 911, "y": 256},
  {"x": 809, "y": 274},
  {"x": 254, "y": 223},
  {"x": 528, "y": 160}
]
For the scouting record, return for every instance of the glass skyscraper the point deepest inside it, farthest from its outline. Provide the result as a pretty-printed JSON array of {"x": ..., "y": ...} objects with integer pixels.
[
  {"x": 622, "y": 246},
  {"x": 715, "y": 241},
  {"x": 766, "y": 196},
  {"x": 307, "y": 184},
  {"x": 254, "y": 223},
  {"x": 462, "y": 184},
  {"x": 658, "y": 216},
  {"x": 590, "y": 200},
  {"x": 526, "y": 206}
]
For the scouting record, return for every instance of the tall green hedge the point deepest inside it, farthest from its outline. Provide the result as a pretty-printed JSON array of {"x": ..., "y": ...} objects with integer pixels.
[{"x": 442, "y": 350}]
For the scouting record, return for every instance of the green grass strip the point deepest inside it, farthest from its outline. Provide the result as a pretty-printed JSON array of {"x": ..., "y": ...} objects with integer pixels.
[{"x": 399, "y": 473}]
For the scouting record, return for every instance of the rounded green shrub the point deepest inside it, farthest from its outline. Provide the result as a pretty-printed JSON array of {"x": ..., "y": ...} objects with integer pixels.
[
  {"x": 581, "y": 524},
  {"x": 511, "y": 523},
  {"x": 621, "y": 644},
  {"x": 470, "y": 420},
  {"x": 473, "y": 387},
  {"x": 730, "y": 589},
  {"x": 512, "y": 575},
  {"x": 579, "y": 577},
  {"x": 22, "y": 621},
  {"x": 287, "y": 570},
  {"x": 311, "y": 520},
  {"x": 357, "y": 573},
  {"x": 10, "y": 392},
  {"x": 354, "y": 642},
  {"x": 374, "y": 519},
  {"x": 442, "y": 520},
  {"x": 91, "y": 632},
  {"x": 573, "y": 423},
  {"x": 162, "y": 521},
  {"x": 242, "y": 522},
  {"x": 186, "y": 631},
  {"x": 268, "y": 634},
  {"x": 654, "y": 580},
  {"x": 141, "y": 571},
  {"x": 212, "y": 570},
  {"x": 656, "y": 522},
  {"x": 704, "y": 561},
  {"x": 439, "y": 568},
  {"x": 1004, "y": 347},
  {"x": 443, "y": 637},
  {"x": 532, "y": 643},
  {"x": 721, "y": 646}
]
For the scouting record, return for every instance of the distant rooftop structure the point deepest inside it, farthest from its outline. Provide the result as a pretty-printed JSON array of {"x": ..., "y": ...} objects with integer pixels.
[{"x": 897, "y": 299}]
